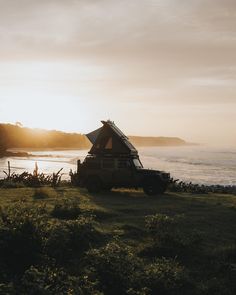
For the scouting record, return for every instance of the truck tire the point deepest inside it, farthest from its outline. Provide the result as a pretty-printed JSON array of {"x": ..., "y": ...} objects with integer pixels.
[
  {"x": 93, "y": 184},
  {"x": 154, "y": 187}
]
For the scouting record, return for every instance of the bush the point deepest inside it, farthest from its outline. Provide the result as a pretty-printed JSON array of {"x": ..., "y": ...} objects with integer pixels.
[
  {"x": 21, "y": 238},
  {"x": 7, "y": 289},
  {"x": 171, "y": 235},
  {"x": 12, "y": 184},
  {"x": 114, "y": 266},
  {"x": 66, "y": 209},
  {"x": 159, "y": 224},
  {"x": 163, "y": 276},
  {"x": 67, "y": 240},
  {"x": 166, "y": 276},
  {"x": 119, "y": 271},
  {"x": 40, "y": 193},
  {"x": 48, "y": 281},
  {"x": 217, "y": 286}
]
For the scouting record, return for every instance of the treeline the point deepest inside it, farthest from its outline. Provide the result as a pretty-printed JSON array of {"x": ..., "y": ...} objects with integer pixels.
[
  {"x": 156, "y": 141},
  {"x": 13, "y": 136}
]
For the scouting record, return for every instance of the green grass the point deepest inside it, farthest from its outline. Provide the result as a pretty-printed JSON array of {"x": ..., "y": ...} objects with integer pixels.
[
  {"x": 121, "y": 214},
  {"x": 212, "y": 214}
]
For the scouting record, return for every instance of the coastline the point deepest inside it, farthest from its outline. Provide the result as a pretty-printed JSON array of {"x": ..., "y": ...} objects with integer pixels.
[
  {"x": 21, "y": 154},
  {"x": 25, "y": 152},
  {"x": 14, "y": 154}
]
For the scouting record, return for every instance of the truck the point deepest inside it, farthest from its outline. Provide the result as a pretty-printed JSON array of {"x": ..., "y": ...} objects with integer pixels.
[{"x": 113, "y": 162}]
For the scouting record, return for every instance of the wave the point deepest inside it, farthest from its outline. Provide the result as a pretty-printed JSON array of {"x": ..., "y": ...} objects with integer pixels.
[
  {"x": 224, "y": 152},
  {"x": 187, "y": 162}
]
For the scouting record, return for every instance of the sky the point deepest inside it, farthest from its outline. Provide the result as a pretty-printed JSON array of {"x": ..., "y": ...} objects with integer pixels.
[{"x": 154, "y": 67}]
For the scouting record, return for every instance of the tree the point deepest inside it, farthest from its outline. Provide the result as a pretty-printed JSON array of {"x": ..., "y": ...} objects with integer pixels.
[{"x": 3, "y": 140}]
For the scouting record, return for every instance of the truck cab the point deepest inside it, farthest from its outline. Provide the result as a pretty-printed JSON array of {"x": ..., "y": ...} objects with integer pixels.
[{"x": 113, "y": 162}]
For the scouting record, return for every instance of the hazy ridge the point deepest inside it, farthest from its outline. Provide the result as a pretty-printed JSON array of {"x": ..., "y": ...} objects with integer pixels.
[
  {"x": 156, "y": 141},
  {"x": 14, "y": 136}
]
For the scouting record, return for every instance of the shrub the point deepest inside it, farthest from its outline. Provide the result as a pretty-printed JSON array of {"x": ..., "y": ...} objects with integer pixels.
[
  {"x": 217, "y": 286},
  {"x": 12, "y": 184},
  {"x": 56, "y": 178},
  {"x": 171, "y": 235},
  {"x": 7, "y": 289},
  {"x": 19, "y": 212},
  {"x": 165, "y": 276},
  {"x": 21, "y": 239},
  {"x": 114, "y": 266},
  {"x": 158, "y": 224},
  {"x": 48, "y": 281},
  {"x": 66, "y": 209},
  {"x": 67, "y": 240},
  {"x": 40, "y": 193},
  {"x": 119, "y": 271}
]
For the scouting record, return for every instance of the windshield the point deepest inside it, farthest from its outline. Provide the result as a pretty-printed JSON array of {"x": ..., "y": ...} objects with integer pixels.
[{"x": 137, "y": 163}]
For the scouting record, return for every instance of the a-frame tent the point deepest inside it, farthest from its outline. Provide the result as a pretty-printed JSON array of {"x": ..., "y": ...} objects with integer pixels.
[{"x": 110, "y": 140}]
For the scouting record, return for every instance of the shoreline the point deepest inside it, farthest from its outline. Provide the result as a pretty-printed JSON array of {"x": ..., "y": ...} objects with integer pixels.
[
  {"x": 22, "y": 154},
  {"x": 178, "y": 161},
  {"x": 14, "y": 154},
  {"x": 25, "y": 152}
]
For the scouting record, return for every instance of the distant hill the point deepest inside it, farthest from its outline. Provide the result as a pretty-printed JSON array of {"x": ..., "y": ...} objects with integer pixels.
[
  {"x": 14, "y": 136},
  {"x": 156, "y": 141}
]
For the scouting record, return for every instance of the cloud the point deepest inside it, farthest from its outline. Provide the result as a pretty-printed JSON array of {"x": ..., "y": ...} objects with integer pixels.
[
  {"x": 117, "y": 29},
  {"x": 178, "y": 53}
]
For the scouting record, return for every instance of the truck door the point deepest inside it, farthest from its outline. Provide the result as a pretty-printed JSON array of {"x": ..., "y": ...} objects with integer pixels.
[{"x": 123, "y": 173}]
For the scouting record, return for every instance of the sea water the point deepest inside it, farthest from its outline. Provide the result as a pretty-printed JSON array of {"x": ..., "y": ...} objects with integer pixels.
[{"x": 198, "y": 164}]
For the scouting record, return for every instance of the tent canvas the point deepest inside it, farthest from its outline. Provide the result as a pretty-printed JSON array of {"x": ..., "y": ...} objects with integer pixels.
[
  {"x": 109, "y": 139},
  {"x": 92, "y": 136}
]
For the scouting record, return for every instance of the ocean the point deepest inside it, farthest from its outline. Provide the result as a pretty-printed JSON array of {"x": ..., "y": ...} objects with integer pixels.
[{"x": 196, "y": 164}]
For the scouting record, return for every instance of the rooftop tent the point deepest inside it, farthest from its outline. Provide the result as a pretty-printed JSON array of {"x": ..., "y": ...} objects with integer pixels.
[
  {"x": 109, "y": 139},
  {"x": 92, "y": 136}
]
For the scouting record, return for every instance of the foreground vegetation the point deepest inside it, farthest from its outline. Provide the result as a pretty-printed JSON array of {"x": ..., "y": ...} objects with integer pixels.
[{"x": 65, "y": 241}]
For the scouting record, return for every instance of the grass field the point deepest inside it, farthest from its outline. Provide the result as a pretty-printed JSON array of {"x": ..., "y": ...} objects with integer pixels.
[{"x": 195, "y": 235}]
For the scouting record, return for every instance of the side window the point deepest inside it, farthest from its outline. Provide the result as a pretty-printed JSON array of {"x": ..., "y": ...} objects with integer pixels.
[
  {"x": 123, "y": 164},
  {"x": 93, "y": 164},
  {"x": 108, "y": 163}
]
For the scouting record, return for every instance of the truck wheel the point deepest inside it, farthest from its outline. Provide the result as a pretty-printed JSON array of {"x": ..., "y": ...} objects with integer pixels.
[
  {"x": 93, "y": 184},
  {"x": 154, "y": 187}
]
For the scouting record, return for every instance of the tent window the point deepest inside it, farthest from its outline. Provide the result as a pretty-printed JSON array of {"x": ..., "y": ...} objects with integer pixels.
[{"x": 108, "y": 145}]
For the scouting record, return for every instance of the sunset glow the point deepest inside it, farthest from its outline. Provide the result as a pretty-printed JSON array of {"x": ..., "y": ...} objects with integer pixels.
[{"x": 154, "y": 67}]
